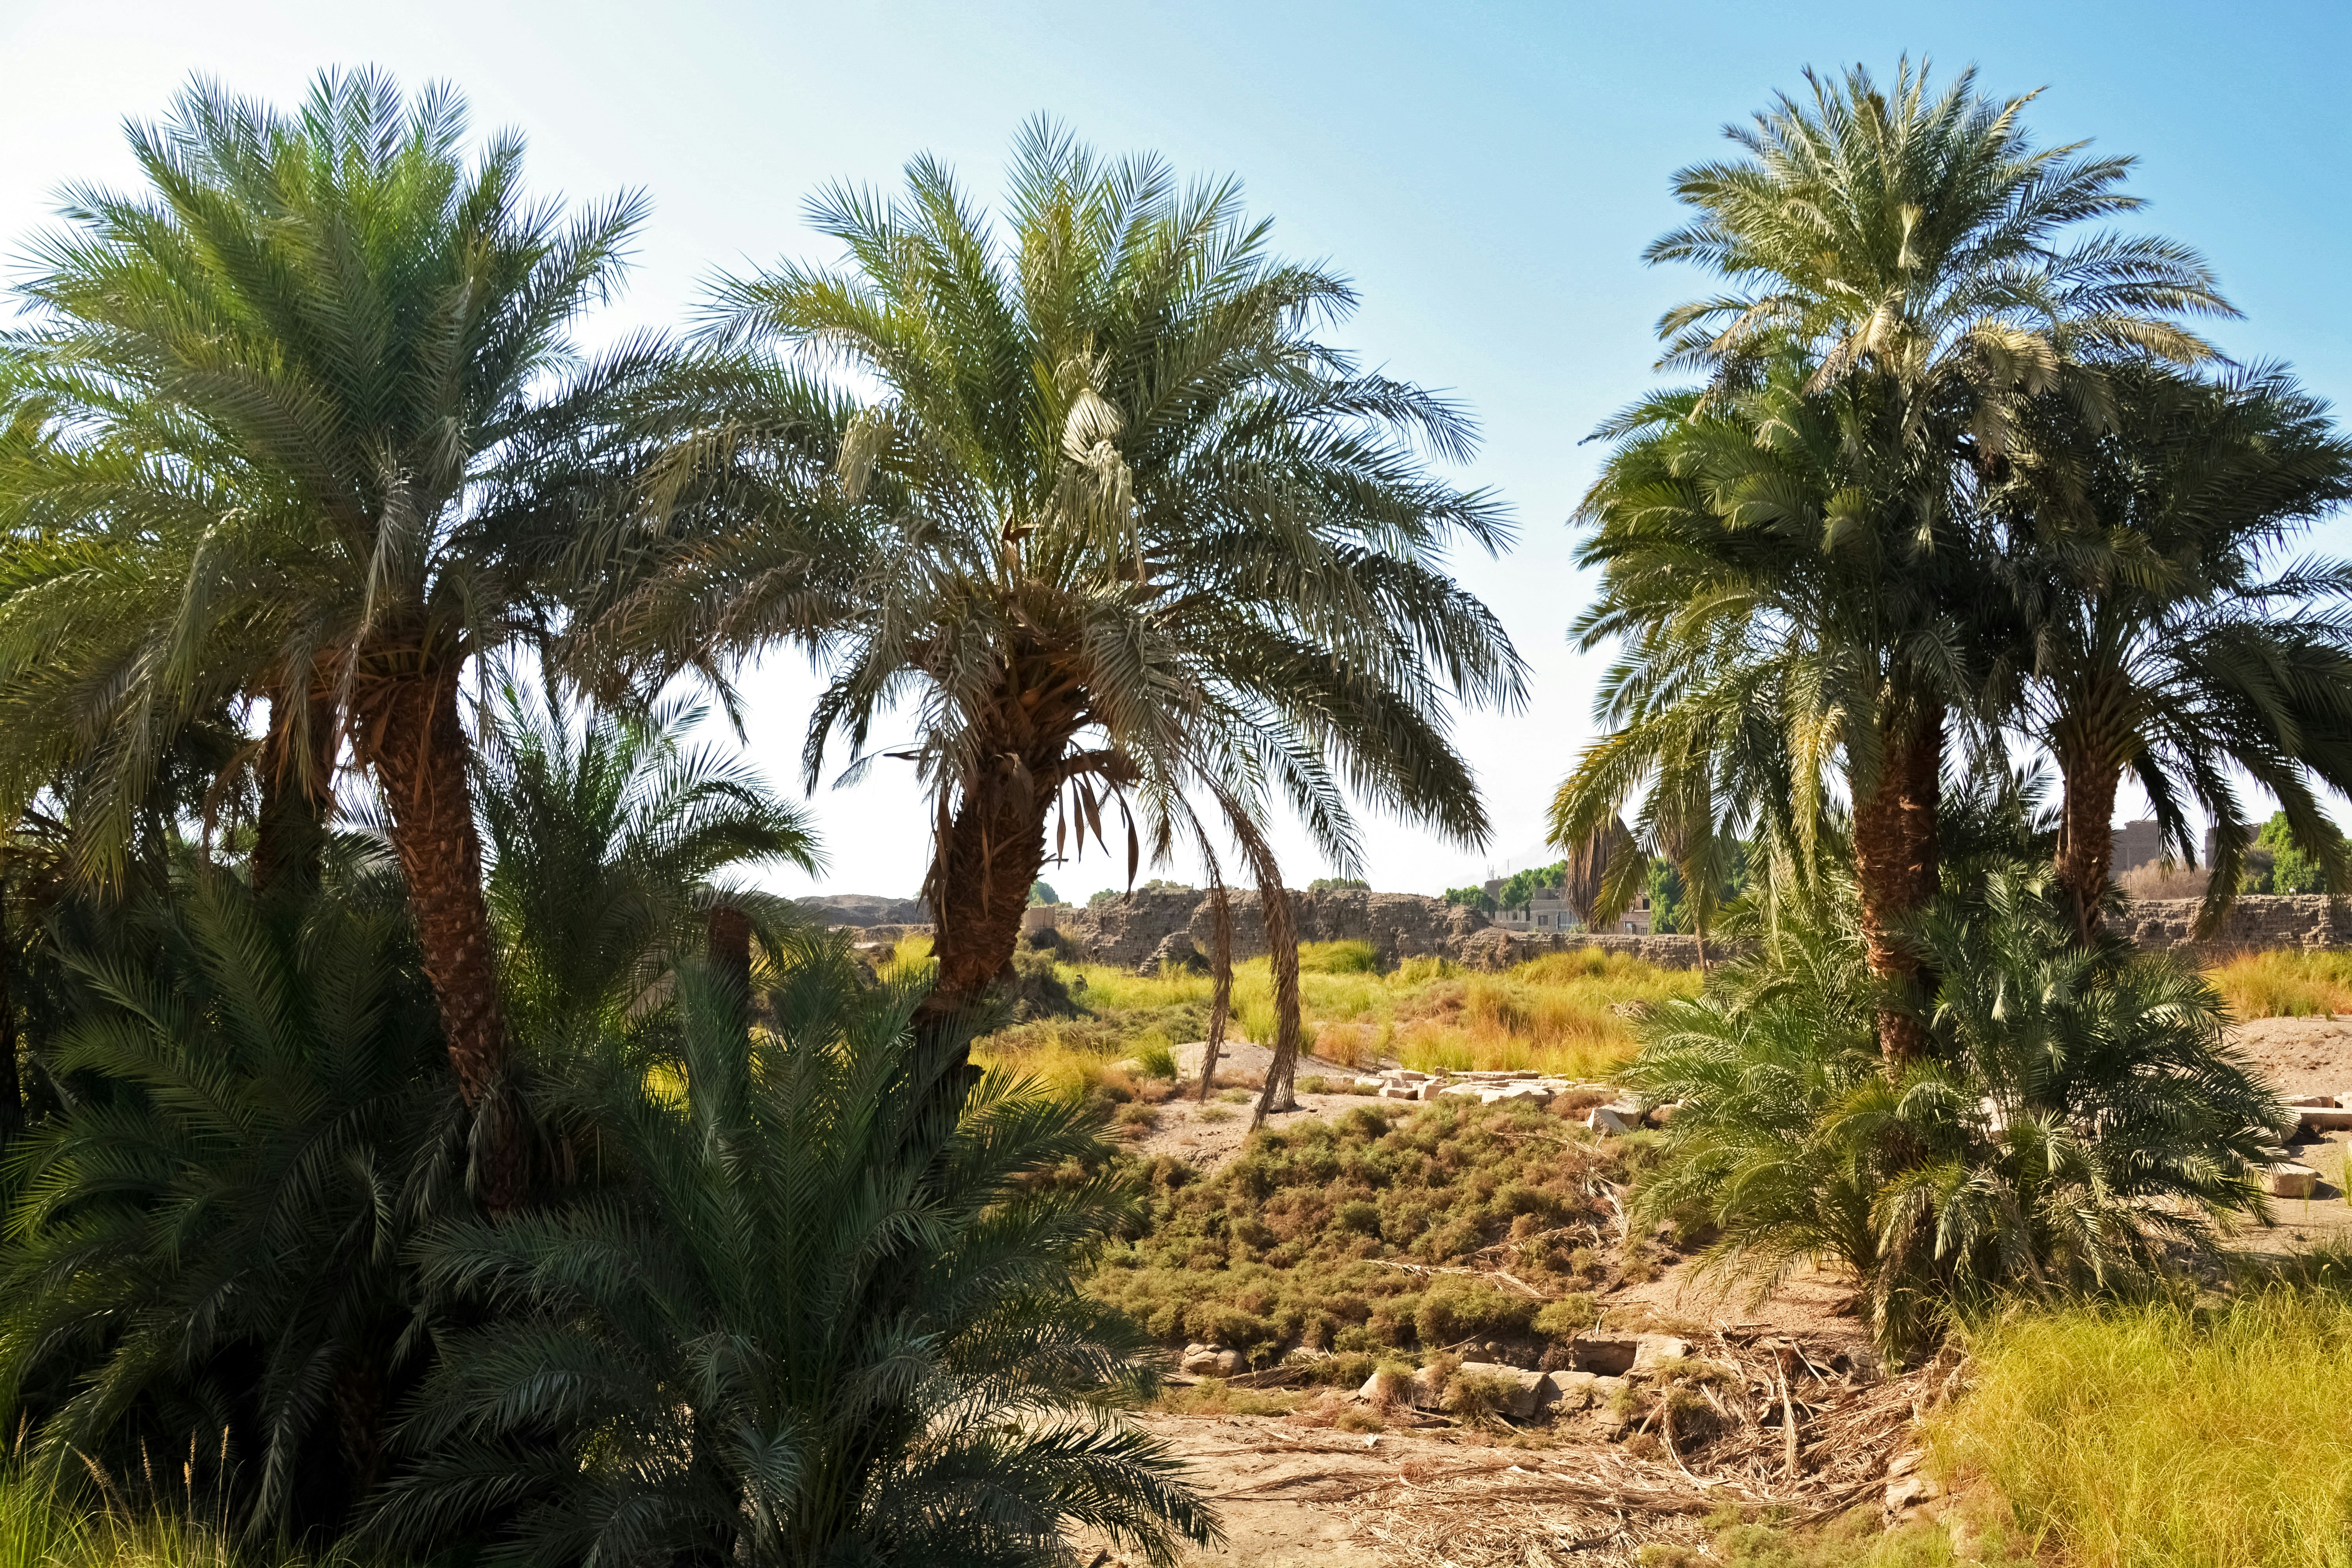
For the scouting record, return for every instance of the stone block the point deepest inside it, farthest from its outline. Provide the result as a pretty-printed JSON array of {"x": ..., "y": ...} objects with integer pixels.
[
  {"x": 1605, "y": 1119},
  {"x": 2314, "y": 1120},
  {"x": 1213, "y": 1361},
  {"x": 1649, "y": 1349},
  {"x": 2289, "y": 1180}
]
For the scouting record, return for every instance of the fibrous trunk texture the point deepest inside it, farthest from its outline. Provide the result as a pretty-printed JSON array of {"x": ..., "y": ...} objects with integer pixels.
[
  {"x": 727, "y": 939},
  {"x": 1895, "y": 869},
  {"x": 989, "y": 857},
  {"x": 2092, "y": 745},
  {"x": 417, "y": 746}
]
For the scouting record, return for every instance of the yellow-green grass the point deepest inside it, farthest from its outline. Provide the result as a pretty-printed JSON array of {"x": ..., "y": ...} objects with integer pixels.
[
  {"x": 2285, "y": 984},
  {"x": 2167, "y": 1436},
  {"x": 41, "y": 1526},
  {"x": 1566, "y": 1013}
]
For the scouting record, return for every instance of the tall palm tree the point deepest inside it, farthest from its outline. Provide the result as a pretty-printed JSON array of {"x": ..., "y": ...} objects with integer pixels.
[
  {"x": 315, "y": 425},
  {"x": 1925, "y": 262},
  {"x": 816, "y": 1318},
  {"x": 2161, "y": 635},
  {"x": 1104, "y": 513}
]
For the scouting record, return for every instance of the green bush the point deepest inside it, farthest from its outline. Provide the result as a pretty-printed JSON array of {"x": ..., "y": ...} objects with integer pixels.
[
  {"x": 1156, "y": 1059},
  {"x": 1286, "y": 1244},
  {"x": 1339, "y": 958},
  {"x": 2079, "y": 1119}
]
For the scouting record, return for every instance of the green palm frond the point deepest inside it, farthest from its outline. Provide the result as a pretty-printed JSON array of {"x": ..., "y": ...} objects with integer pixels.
[{"x": 820, "y": 1319}]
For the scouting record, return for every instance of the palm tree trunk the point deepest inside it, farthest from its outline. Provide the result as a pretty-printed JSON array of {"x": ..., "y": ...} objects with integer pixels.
[
  {"x": 2087, "y": 842},
  {"x": 417, "y": 746},
  {"x": 1281, "y": 947},
  {"x": 727, "y": 939},
  {"x": 1896, "y": 871},
  {"x": 988, "y": 858}
]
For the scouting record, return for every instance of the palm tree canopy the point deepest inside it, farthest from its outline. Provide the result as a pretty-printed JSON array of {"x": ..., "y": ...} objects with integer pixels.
[
  {"x": 2161, "y": 627},
  {"x": 1118, "y": 513},
  {"x": 816, "y": 1318},
  {"x": 305, "y": 410},
  {"x": 610, "y": 838}
]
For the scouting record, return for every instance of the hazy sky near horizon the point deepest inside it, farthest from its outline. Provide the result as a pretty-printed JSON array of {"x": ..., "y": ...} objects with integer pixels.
[{"x": 1487, "y": 174}]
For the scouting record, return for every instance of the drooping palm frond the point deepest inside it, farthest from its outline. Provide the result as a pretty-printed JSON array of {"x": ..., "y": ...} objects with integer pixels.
[
  {"x": 821, "y": 1320},
  {"x": 1105, "y": 523},
  {"x": 205, "y": 1252}
]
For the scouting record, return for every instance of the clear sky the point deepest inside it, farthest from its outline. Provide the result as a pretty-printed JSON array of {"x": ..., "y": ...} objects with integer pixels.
[{"x": 1489, "y": 175}]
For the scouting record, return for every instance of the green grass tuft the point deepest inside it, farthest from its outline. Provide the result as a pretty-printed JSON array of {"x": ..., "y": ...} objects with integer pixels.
[{"x": 2165, "y": 1436}]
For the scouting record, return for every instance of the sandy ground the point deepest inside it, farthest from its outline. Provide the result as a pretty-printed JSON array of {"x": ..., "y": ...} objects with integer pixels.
[
  {"x": 1293, "y": 1491},
  {"x": 2300, "y": 1056}
]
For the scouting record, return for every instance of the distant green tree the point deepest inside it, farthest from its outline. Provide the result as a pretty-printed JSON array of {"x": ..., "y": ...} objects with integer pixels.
[
  {"x": 2292, "y": 868},
  {"x": 1042, "y": 893},
  {"x": 1520, "y": 888},
  {"x": 1665, "y": 889},
  {"x": 1339, "y": 885},
  {"x": 1477, "y": 899}
]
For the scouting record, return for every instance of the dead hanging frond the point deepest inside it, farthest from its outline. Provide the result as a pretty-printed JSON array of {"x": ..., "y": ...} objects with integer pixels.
[{"x": 1220, "y": 964}]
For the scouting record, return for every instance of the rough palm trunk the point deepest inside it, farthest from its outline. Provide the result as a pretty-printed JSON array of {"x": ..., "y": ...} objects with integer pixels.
[
  {"x": 989, "y": 858},
  {"x": 1896, "y": 870},
  {"x": 2090, "y": 742},
  {"x": 416, "y": 744},
  {"x": 727, "y": 938}
]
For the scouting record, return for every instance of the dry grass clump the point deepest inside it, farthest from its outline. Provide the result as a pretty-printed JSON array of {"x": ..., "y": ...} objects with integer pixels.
[
  {"x": 2167, "y": 1436},
  {"x": 2157, "y": 880},
  {"x": 2285, "y": 984},
  {"x": 1329, "y": 1234},
  {"x": 1569, "y": 1013}
]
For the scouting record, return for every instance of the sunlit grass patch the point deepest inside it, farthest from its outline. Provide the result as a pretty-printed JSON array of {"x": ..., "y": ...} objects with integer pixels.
[
  {"x": 2167, "y": 1436},
  {"x": 2285, "y": 984},
  {"x": 1568, "y": 1012}
]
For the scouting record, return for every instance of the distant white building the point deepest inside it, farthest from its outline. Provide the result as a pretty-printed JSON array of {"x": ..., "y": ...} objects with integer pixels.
[{"x": 1549, "y": 910}]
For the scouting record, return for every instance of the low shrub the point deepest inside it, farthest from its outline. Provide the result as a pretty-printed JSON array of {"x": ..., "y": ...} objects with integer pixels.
[
  {"x": 1154, "y": 1058},
  {"x": 2285, "y": 984},
  {"x": 1293, "y": 1242}
]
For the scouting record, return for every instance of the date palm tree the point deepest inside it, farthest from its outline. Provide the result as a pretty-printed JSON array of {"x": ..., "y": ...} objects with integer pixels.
[
  {"x": 1103, "y": 512},
  {"x": 616, "y": 850},
  {"x": 816, "y": 1317},
  {"x": 2162, "y": 637},
  {"x": 1926, "y": 267},
  {"x": 314, "y": 425}
]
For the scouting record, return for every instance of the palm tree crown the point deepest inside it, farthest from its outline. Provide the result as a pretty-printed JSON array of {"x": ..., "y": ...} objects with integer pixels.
[
  {"x": 1908, "y": 266},
  {"x": 1111, "y": 519},
  {"x": 315, "y": 422}
]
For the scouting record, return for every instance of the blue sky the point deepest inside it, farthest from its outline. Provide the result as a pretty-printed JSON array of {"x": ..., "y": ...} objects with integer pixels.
[{"x": 1489, "y": 175}]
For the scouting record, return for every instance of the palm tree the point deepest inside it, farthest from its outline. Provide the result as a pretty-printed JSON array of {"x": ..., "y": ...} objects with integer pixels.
[
  {"x": 316, "y": 434},
  {"x": 207, "y": 1244},
  {"x": 2081, "y": 1120},
  {"x": 819, "y": 1319},
  {"x": 2159, "y": 636},
  {"x": 1917, "y": 257},
  {"x": 612, "y": 843},
  {"x": 1104, "y": 513}
]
